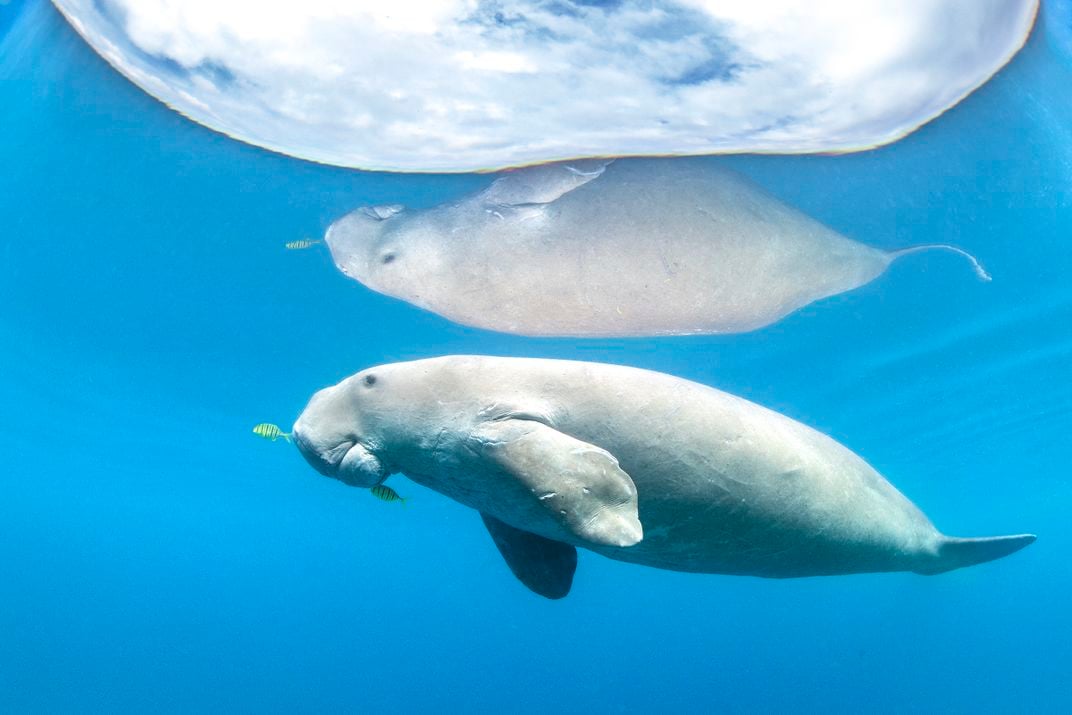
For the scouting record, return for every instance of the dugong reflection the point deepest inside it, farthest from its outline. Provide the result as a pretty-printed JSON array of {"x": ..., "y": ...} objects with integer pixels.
[{"x": 595, "y": 248}]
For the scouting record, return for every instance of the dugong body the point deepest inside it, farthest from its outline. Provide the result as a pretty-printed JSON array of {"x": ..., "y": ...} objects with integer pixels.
[
  {"x": 598, "y": 248},
  {"x": 634, "y": 465}
]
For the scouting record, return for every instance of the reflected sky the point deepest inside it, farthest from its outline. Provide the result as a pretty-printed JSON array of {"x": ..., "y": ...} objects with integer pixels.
[{"x": 460, "y": 85}]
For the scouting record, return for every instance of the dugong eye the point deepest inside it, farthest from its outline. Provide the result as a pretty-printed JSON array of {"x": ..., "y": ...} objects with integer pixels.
[
  {"x": 388, "y": 257},
  {"x": 370, "y": 380}
]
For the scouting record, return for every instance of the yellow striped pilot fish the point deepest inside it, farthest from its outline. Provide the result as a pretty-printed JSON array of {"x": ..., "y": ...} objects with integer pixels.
[
  {"x": 382, "y": 491},
  {"x": 270, "y": 431},
  {"x": 301, "y": 244}
]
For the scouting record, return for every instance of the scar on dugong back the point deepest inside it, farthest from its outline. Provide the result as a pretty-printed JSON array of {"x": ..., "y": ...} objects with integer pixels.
[
  {"x": 631, "y": 464},
  {"x": 598, "y": 248}
]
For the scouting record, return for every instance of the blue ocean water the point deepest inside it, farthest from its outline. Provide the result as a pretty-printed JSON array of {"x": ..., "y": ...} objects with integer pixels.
[{"x": 157, "y": 556}]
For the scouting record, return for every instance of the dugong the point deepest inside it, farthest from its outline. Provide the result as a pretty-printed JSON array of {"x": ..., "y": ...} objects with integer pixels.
[
  {"x": 631, "y": 464},
  {"x": 607, "y": 248}
]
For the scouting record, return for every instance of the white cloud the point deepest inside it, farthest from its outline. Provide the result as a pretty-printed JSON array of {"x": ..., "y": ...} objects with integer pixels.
[
  {"x": 493, "y": 62},
  {"x": 430, "y": 85}
]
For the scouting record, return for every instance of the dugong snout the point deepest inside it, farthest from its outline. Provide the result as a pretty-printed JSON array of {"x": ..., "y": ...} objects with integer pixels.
[
  {"x": 352, "y": 239},
  {"x": 329, "y": 440},
  {"x": 324, "y": 461}
]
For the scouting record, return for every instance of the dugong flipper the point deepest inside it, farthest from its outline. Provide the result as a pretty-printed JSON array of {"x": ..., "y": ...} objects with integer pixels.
[
  {"x": 579, "y": 485},
  {"x": 546, "y": 567},
  {"x": 602, "y": 248},
  {"x": 559, "y": 454}
]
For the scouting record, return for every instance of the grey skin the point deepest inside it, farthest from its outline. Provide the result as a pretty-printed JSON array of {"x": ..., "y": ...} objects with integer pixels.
[
  {"x": 598, "y": 248},
  {"x": 631, "y": 464}
]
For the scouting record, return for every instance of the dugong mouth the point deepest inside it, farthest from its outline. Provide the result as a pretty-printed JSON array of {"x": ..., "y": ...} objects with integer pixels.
[
  {"x": 330, "y": 461},
  {"x": 350, "y": 462},
  {"x": 359, "y": 467},
  {"x": 324, "y": 461}
]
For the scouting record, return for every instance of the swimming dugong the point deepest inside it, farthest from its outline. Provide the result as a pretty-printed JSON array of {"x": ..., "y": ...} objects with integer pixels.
[
  {"x": 600, "y": 248},
  {"x": 631, "y": 464}
]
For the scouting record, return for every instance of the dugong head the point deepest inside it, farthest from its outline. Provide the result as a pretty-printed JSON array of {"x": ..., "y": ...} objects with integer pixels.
[
  {"x": 340, "y": 434},
  {"x": 385, "y": 248}
]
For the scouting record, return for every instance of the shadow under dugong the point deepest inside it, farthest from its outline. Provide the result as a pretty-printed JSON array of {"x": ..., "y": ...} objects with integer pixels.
[
  {"x": 595, "y": 248},
  {"x": 631, "y": 464}
]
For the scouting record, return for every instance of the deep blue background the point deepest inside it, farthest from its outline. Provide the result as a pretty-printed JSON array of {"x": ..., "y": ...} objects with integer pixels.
[{"x": 156, "y": 555}]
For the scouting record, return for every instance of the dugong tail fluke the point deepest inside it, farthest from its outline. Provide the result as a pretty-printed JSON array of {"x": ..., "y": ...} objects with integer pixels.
[
  {"x": 955, "y": 553},
  {"x": 976, "y": 265}
]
